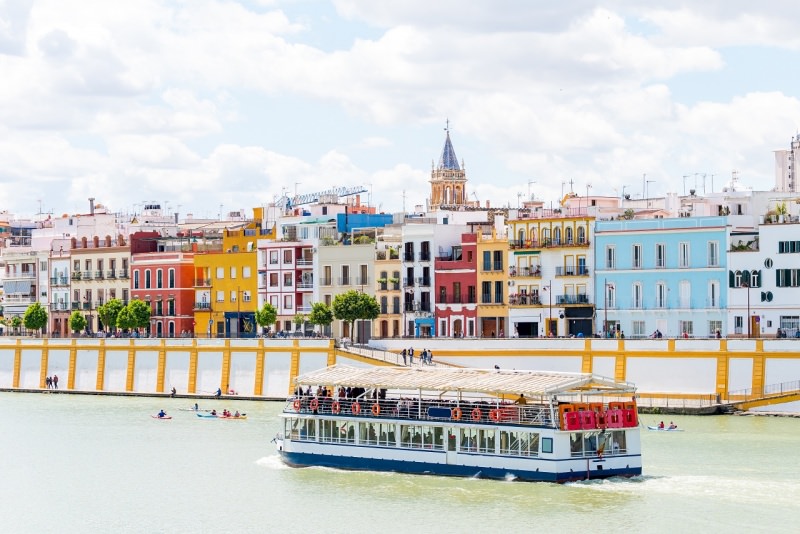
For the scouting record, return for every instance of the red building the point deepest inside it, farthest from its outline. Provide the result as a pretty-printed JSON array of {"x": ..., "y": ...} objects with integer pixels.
[
  {"x": 456, "y": 305},
  {"x": 162, "y": 275}
]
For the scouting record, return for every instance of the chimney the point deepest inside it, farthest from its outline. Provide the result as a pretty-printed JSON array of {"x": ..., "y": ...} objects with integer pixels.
[{"x": 91, "y": 205}]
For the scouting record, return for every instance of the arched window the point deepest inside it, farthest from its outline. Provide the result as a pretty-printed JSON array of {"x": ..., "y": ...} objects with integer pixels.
[
  {"x": 581, "y": 235},
  {"x": 556, "y": 235},
  {"x": 568, "y": 235}
]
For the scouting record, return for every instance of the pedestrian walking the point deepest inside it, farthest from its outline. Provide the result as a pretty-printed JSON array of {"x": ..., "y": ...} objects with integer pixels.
[
  {"x": 404, "y": 356},
  {"x": 49, "y": 382},
  {"x": 430, "y": 357},
  {"x": 411, "y": 355},
  {"x": 55, "y": 381}
]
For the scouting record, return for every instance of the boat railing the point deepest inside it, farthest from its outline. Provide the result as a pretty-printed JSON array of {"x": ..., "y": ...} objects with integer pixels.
[{"x": 484, "y": 412}]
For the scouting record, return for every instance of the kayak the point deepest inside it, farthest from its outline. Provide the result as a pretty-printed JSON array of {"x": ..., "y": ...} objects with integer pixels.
[
  {"x": 165, "y": 417},
  {"x": 208, "y": 415},
  {"x": 243, "y": 416},
  {"x": 192, "y": 410},
  {"x": 665, "y": 429}
]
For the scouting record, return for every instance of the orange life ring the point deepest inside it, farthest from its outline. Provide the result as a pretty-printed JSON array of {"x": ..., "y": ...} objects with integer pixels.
[
  {"x": 477, "y": 414},
  {"x": 336, "y": 407},
  {"x": 376, "y": 409},
  {"x": 494, "y": 415},
  {"x": 296, "y": 405},
  {"x": 314, "y": 404},
  {"x": 355, "y": 408},
  {"x": 455, "y": 414}
]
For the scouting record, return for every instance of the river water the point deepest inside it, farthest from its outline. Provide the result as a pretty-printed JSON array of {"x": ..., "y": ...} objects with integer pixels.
[{"x": 73, "y": 463}]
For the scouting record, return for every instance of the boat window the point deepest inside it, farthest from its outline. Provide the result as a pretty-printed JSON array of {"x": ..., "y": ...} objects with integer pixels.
[
  {"x": 376, "y": 433},
  {"x": 477, "y": 440},
  {"x": 334, "y": 431},
  {"x": 519, "y": 443},
  {"x": 304, "y": 429},
  {"x": 410, "y": 436},
  {"x": 618, "y": 442},
  {"x": 547, "y": 445},
  {"x": 576, "y": 444}
]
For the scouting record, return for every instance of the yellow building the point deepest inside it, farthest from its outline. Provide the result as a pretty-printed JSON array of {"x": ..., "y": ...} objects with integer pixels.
[
  {"x": 226, "y": 283},
  {"x": 550, "y": 286},
  {"x": 492, "y": 281}
]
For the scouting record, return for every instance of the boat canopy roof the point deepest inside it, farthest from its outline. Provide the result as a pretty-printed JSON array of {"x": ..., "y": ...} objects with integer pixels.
[{"x": 489, "y": 381}]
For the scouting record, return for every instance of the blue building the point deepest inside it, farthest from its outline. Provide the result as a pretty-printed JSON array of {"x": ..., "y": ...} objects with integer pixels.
[{"x": 666, "y": 275}]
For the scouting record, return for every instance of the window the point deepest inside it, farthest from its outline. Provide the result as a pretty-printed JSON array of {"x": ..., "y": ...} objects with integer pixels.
[
  {"x": 273, "y": 279},
  {"x": 638, "y": 328},
  {"x": 287, "y": 302},
  {"x": 345, "y": 280},
  {"x": 486, "y": 292},
  {"x": 581, "y": 235},
  {"x": 487, "y": 260},
  {"x": 159, "y": 279},
  {"x": 220, "y": 296},
  {"x": 147, "y": 276},
  {"x": 273, "y": 257},
  {"x": 547, "y": 445},
  {"x": 713, "y": 254},
  {"x": 498, "y": 292},
  {"x": 683, "y": 255},
  {"x": 685, "y": 291},
  {"x": 557, "y": 235},
  {"x": 568, "y": 235},
  {"x": 611, "y": 257},
  {"x": 287, "y": 279},
  {"x": 713, "y": 294},
  {"x": 686, "y": 328},
  {"x": 43, "y": 266},
  {"x": 788, "y": 247},
  {"x": 233, "y": 272},
  {"x": 245, "y": 296},
  {"x": 661, "y": 255},
  {"x": 287, "y": 257},
  {"x": 220, "y": 273},
  {"x": 713, "y": 327},
  {"x": 171, "y": 278},
  {"x": 245, "y": 272},
  {"x": 755, "y": 278},
  {"x": 637, "y": 256},
  {"x": 136, "y": 279},
  {"x": 611, "y": 296},
  {"x": 498, "y": 260},
  {"x": 637, "y": 295},
  {"x": 661, "y": 295},
  {"x": 738, "y": 324}
]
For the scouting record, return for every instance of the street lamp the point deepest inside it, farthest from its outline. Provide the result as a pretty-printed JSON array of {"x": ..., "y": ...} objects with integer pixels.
[{"x": 549, "y": 289}]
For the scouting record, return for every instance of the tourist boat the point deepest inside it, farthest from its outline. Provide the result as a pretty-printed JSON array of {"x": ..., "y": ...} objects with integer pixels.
[{"x": 463, "y": 422}]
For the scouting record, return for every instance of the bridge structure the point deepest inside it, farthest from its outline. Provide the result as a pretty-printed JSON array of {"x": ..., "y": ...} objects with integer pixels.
[{"x": 746, "y": 399}]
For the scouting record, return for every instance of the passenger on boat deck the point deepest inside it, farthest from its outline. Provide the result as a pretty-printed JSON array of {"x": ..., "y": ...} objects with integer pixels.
[
  {"x": 661, "y": 424},
  {"x": 521, "y": 399}
]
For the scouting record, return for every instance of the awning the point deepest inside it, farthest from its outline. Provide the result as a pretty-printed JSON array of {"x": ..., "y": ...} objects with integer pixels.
[{"x": 11, "y": 287}]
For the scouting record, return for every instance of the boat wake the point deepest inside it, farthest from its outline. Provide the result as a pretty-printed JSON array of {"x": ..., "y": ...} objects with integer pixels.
[{"x": 272, "y": 462}]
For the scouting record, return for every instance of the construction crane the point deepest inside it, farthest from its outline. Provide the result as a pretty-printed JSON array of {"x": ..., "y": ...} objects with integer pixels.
[{"x": 309, "y": 198}]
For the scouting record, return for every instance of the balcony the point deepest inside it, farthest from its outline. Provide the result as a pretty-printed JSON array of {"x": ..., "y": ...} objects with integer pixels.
[
  {"x": 99, "y": 275},
  {"x": 122, "y": 273},
  {"x": 457, "y": 299},
  {"x": 111, "y": 274},
  {"x": 325, "y": 281},
  {"x": 572, "y": 299},
  {"x": 425, "y": 255},
  {"x": 362, "y": 280},
  {"x": 86, "y": 275},
  {"x": 202, "y": 282},
  {"x": 524, "y": 299},
  {"x": 580, "y": 270},
  {"x": 59, "y": 281},
  {"x": 304, "y": 263},
  {"x": 408, "y": 256},
  {"x": 344, "y": 280},
  {"x": 408, "y": 282},
  {"x": 531, "y": 272},
  {"x": 59, "y": 307},
  {"x": 76, "y": 306},
  {"x": 396, "y": 309},
  {"x": 76, "y": 275},
  {"x": 548, "y": 243},
  {"x": 202, "y": 306},
  {"x": 305, "y": 284},
  {"x": 424, "y": 281}
]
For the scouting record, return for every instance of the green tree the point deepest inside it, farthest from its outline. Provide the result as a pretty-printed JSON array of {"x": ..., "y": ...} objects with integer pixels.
[
  {"x": 108, "y": 313},
  {"x": 125, "y": 319},
  {"x": 266, "y": 316},
  {"x": 35, "y": 317},
  {"x": 353, "y": 305},
  {"x": 321, "y": 314},
  {"x": 140, "y": 312},
  {"x": 16, "y": 322},
  {"x": 298, "y": 320},
  {"x": 77, "y": 322}
]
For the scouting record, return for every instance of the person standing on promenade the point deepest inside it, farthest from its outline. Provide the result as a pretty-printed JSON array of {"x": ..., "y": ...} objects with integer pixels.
[
  {"x": 49, "y": 382},
  {"x": 404, "y": 356},
  {"x": 411, "y": 355},
  {"x": 55, "y": 381}
]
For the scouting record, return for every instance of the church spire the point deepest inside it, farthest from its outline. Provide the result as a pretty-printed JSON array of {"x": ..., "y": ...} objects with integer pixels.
[{"x": 448, "y": 160}]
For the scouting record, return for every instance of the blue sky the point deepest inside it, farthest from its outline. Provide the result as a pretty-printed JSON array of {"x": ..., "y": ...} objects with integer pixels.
[{"x": 208, "y": 103}]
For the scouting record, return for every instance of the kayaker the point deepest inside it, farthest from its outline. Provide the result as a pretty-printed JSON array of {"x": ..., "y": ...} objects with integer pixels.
[
  {"x": 213, "y": 412},
  {"x": 196, "y": 407},
  {"x": 661, "y": 424},
  {"x": 162, "y": 414},
  {"x": 237, "y": 414},
  {"x": 672, "y": 426}
]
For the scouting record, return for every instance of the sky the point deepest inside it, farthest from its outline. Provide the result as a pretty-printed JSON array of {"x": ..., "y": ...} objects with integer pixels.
[{"x": 210, "y": 106}]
